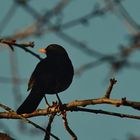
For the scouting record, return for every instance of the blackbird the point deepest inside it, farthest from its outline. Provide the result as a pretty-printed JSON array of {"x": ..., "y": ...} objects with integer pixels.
[{"x": 52, "y": 75}]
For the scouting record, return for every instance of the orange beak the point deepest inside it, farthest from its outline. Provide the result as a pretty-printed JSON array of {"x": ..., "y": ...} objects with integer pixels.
[{"x": 42, "y": 50}]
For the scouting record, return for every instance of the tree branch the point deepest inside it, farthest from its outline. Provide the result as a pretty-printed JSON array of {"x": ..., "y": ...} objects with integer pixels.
[
  {"x": 108, "y": 92},
  {"x": 66, "y": 125},
  {"x": 24, "y": 46},
  {"x": 72, "y": 106},
  {"x": 48, "y": 129},
  {"x": 11, "y": 111}
]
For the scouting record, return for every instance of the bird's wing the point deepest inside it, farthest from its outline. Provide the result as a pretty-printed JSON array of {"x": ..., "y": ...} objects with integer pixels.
[
  {"x": 42, "y": 75},
  {"x": 35, "y": 75},
  {"x": 31, "y": 82}
]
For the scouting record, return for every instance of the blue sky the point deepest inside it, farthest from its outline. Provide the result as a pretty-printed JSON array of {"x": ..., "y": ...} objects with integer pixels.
[{"x": 104, "y": 34}]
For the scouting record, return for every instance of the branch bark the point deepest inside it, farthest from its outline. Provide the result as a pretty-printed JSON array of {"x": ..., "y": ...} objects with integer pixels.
[{"x": 72, "y": 106}]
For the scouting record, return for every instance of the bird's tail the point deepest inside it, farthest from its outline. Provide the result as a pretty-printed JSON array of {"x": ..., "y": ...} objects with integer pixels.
[{"x": 31, "y": 103}]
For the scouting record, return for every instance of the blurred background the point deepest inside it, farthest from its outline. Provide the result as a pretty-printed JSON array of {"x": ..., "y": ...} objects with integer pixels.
[{"x": 102, "y": 40}]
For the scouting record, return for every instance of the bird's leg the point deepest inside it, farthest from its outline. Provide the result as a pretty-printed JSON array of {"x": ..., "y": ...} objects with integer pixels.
[
  {"x": 62, "y": 108},
  {"x": 46, "y": 101},
  {"x": 60, "y": 103}
]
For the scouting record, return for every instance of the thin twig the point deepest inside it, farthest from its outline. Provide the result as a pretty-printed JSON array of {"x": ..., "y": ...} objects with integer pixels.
[
  {"x": 96, "y": 111},
  {"x": 26, "y": 120},
  {"x": 48, "y": 129},
  {"x": 23, "y": 46},
  {"x": 66, "y": 125},
  {"x": 109, "y": 89}
]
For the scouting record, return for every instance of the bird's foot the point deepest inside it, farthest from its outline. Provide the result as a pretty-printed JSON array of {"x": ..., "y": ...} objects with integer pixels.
[{"x": 60, "y": 106}]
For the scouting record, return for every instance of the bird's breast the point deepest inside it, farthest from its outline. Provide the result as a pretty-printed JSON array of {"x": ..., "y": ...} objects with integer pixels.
[{"x": 58, "y": 76}]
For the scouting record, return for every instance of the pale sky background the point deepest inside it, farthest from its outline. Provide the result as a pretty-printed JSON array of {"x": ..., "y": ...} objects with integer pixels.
[{"x": 103, "y": 34}]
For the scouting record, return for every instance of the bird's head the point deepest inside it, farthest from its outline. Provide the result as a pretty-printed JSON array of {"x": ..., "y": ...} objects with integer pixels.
[{"x": 53, "y": 50}]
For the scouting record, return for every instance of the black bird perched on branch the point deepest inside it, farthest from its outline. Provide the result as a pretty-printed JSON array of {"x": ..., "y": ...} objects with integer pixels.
[{"x": 52, "y": 75}]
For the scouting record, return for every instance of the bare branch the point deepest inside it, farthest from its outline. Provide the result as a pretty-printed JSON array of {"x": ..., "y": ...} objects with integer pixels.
[
  {"x": 66, "y": 125},
  {"x": 108, "y": 92},
  {"x": 26, "y": 120},
  {"x": 95, "y": 111},
  {"x": 71, "y": 107},
  {"x": 23, "y": 46},
  {"x": 48, "y": 129}
]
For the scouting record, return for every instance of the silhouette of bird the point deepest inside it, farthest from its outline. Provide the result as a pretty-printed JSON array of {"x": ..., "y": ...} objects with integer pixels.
[{"x": 52, "y": 75}]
